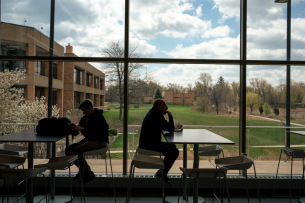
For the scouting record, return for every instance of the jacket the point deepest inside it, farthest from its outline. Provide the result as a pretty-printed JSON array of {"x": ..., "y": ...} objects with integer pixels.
[
  {"x": 95, "y": 127},
  {"x": 153, "y": 123}
]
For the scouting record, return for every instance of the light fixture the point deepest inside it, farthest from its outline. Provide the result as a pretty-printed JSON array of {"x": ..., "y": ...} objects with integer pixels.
[
  {"x": 24, "y": 21},
  {"x": 40, "y": 31},
  {"x": 280, "y": 1}
]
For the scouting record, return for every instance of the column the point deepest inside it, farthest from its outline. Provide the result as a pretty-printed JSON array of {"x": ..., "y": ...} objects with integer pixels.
[
  {"x": 92, "y": 81},
  {"x": 46, "y": 93},
  {"x": 84, "y": 79},
  {"x": 60, "y": 71},
  {"x": 69, "y": 73},
  {"x": 97, "y": 96},
  {"x": 30, "y": 92},
  {"x": 68, "y": 100},
  {"x": 91, "y": 96},
  {"x": 30, "y": 65}
]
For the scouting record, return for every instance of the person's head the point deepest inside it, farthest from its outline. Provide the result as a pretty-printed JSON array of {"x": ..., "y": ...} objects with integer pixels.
[
  {"x": 160, "y": 105},
  {"x": 86, "y": 107}
]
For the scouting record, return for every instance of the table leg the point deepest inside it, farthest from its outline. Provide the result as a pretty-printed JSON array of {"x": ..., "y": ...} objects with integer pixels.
[
  {"x": 184, "y": 166},
  {"x": 30, "y": 166},
  {"x": 196, "y": 165},
  {"x": 53, "y": 171}
]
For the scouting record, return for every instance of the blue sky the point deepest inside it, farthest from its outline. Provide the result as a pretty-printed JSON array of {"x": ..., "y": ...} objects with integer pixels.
[{"x": 207, "y": 29}]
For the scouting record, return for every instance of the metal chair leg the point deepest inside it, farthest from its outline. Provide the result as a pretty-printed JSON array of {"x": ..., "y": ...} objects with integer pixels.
[
  {"x": 163, "y": 195},
  {"x": 214, "y": 189},
  {"x": 259, "y": 198},
  {"x": 45, "y": 187},
  {"x": 278, "y": 166},
  {"x": 247, "y": 188},
  {"x": 225, "y": 178},
  {"x": 302, "y": 180},
  {"x": 112, "y": 178},
  {"x": 291, "y": 177},
  {"x": 8, "y": 191},
  {"x": 70, "y": 183},
  {"x": 131, "y": 173},
  {"x": 3, "y": 194},
  {"x": 82, "y": 184},
  {"x": 180, "y": 187}
]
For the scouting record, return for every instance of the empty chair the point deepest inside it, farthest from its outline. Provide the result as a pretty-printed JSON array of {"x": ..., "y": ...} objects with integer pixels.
[
  {"x": 144, "y": 162},
  {"x": 10, "y": 162},
  {"x": 13, "y": 150},
  {"x": 61, "y": 163},
  {"x": 148, "y": 152},
  {"x": 293, "y": 153},
  {"x": 20, "y": 174},
  {"x": 206, "y": 173},
  {"x": 212, "y": 150},
  {"x": 238, "y": 163},
  {"x": 102, "y": 152}
]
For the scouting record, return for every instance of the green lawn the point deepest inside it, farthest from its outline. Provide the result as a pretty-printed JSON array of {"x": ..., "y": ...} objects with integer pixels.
[{"x": 183, "y": 114}]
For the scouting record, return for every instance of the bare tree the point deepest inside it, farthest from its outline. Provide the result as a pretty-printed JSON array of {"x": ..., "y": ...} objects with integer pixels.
[
  {"x": 183, "y": 91},
  {"x": 189, "y": 87},
  {"x": 114, "y": 71},
  {"x": 173, "y": 86},
  {"x": 216, "y": 93}
]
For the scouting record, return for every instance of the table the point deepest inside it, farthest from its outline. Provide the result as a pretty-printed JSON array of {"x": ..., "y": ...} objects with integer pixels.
[
  {"x": 196, "y": 137},
  {"x": 302, "y": 133},
  {"x": 30, "y": 136}
]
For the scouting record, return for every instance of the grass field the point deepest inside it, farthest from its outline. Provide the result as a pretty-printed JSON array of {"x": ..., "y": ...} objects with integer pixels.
[{"x": 183, "y": 114}]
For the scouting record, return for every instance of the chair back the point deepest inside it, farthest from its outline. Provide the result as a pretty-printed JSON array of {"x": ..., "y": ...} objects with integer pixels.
[
  {"x": 147, "y": 162},
  {"x": 235, "y": 163},
  {"x": 148, "y": 152},
  {"x": 11, "y": 159},
  {"x": 295, "y": 153},
  {"x": 101, "y": 151},
  {"x": 213, "y": 150},
  {"x": 20, "y": 173},
  {"x": 209, "y": 173}
]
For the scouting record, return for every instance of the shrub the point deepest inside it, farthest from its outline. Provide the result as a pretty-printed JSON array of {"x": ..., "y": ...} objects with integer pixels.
[
  {"x": 276, "y": 111},
  {"x": 266, "y": 109},
  {"x": 261, "y": 110},
  {"x": 113, "y": 132}
]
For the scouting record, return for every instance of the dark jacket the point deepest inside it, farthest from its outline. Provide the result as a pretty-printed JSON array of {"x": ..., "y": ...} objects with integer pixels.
[
  {"x": 153, "y": 123},
  {"x": 95, "y": 127}
]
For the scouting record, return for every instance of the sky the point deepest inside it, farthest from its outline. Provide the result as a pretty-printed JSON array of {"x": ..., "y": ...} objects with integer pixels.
[{"x": 194, "y": 29}]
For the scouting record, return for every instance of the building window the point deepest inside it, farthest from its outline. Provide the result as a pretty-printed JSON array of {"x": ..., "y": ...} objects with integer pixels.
[
  {"x": 95, "y": 100},
  {"x": 177, "y": 97},
  {"x": 101, "y": 84},
  {"x": 8, "y": 50},
  {"x": 88, "y": 80},
  {"x": 78, "y": 76},
  {"x": 87, "y": 96},
  {"x": 101, "y": 100},
  {"x": 54, "y": 99},
  {"x": 39, "y": 92},
  {"x": 40, "y": 68},
  {"x": 54, "y": 70},
  {"x": 95, "y": 82},
  {"x": 77, "y": 100},
  {"x": 187, "y": 97}
]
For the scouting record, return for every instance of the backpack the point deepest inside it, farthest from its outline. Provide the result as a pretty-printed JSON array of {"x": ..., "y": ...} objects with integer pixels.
[{"x": 54, "y": 126}]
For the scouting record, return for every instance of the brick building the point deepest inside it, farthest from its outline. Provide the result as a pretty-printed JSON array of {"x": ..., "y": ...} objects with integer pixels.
[
  {"x": 72, "y": 82},
  {"x": 169, "y": 96}
]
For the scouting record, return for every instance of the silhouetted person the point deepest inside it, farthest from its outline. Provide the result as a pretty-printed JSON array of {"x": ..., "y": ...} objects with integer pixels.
[
  {"x": 150, "y": 136},
  {"x": 95, "y": 130}
]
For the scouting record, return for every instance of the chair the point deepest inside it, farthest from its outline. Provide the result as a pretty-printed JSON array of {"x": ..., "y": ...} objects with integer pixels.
[
  {"x": 293, "y": 153},
  {"x": 102, "y": 151},
  {"x": 148, "y": 152},
  {"x": 238, "y": 163},
  {"x": 13, "y": 150},
  {"x": 144, "y": 162},
  {"x": 11, "y": 162},
  {"x": 207, "y": 174},
  {"x": 23, "y": 174},
  {"x": 61, "y": 163},
  {"x": 212, "y": 150}
]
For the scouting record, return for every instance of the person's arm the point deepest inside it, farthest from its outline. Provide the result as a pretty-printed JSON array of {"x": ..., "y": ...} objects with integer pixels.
[{"x": 168, "y": 126}]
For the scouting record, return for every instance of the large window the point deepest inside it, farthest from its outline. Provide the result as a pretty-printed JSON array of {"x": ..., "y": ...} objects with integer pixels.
[
  {"x": 40, "y": 68},
  {"x": 78, "y": 76},
  {"x": 77, "y": 99},
  {"x": 88, "y": 80},
  {"x": 204, "y": 58},
  {"x": 95, "y": 82},
  {"x": 54, "y": 70},
  {"x": 39, "y": 92}
]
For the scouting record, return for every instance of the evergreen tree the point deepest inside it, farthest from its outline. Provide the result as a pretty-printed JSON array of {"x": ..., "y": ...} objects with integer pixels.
[
  {"x": 276, "y": 111},
  {"x": 267, "y": 109},
  {"x": 221, "y": 80},
  {"x": 158, "y": 94},
  {"x": 261, "y": 110}
]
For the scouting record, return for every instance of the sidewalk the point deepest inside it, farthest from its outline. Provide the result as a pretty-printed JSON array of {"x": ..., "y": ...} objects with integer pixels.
[{"x": 264, "y": 167}]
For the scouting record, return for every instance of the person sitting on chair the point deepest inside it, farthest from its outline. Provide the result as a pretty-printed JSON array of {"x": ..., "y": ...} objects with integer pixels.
[
  {"x": 94, "y": 128},
  {"x": 150, "y": 136}
]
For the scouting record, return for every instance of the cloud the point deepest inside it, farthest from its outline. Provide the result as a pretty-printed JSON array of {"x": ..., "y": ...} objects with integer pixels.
[{"x": 199, "y": 11}]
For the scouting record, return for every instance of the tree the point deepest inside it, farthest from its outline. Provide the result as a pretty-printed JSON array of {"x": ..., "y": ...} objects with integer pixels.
[
  {"x": 201, "y": 90},
  {"x": 217, "y": 93},
  {"x": 158, "y": 94},
  {"x": 276, "y": 111},
  {"x": 115, "y": 71},
  {"x": 266, "y": 109},
  {"x": 261, "y": 110},
  {"x": 252, "y": 100},
  {"x": 189, "y": 87},
  {"x": 183, "y": 91},
  {"x": 173, "y": 86}
]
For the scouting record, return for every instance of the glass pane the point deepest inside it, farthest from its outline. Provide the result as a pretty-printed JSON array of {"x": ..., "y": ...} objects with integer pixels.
[
  {"x": 266, "y": 106},
  {"x": 297, "y": 30},
  {"x": 266, "y": 30},
  {"x": 86, "y": 27},
  {"x": 185, "y": 29},
  {"x": 188, "y": 93}
]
